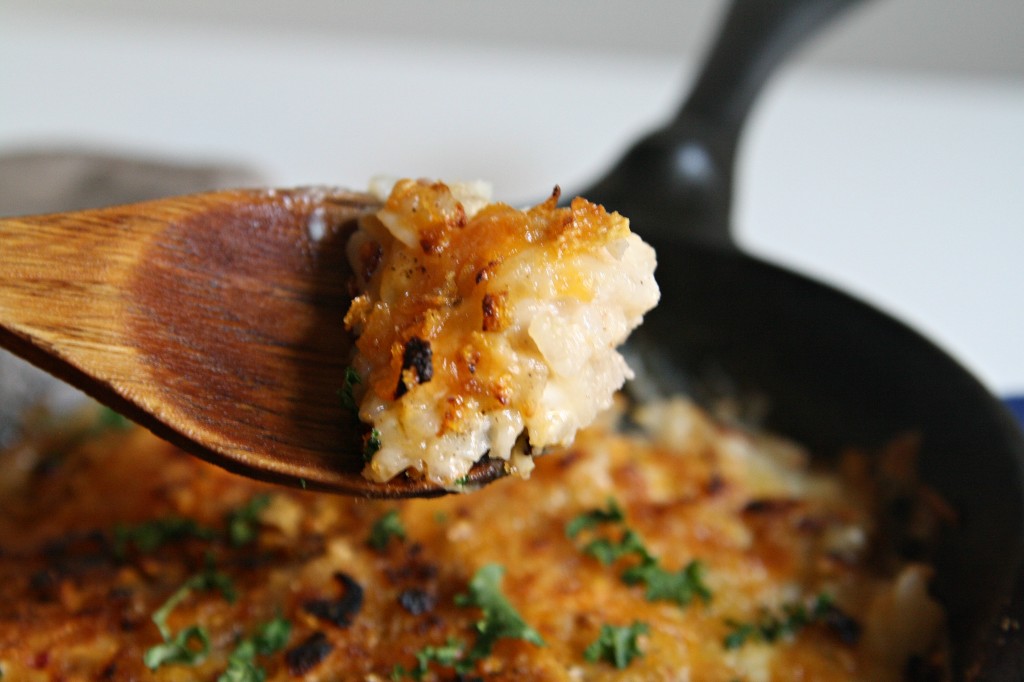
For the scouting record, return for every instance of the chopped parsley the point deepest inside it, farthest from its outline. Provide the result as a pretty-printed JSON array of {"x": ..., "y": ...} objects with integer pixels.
[
  {"x": 594, "y": 518},
  {"x": 608, "y": 552},
  {"x": 771, "y": 627},
  {"x": 448, "y": 655},
  {"x": 269, "y": 638},
  {"x": 500, "y": 620},
  {"x": 242, "y": 669},
  {"x": 371, "y": 444},
  {"x": 617, "y": 645},
  {"x": 384, "y": 529},
  {"x": 209, "y": 579},
  {"x": 190, "y": 645},
  {"x": 151, "y": 535},
  {"x": 272, "y": 636},
  {"x": 243, "y": 523},
  {"x": 680, "y": 587},
  {"x": 348, "y": 398}
]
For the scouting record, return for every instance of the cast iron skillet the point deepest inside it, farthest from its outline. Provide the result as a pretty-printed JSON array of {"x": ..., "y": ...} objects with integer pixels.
[{"x": 835, "y": 371}]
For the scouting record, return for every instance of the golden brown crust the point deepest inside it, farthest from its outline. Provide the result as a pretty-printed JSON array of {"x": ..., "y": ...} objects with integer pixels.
[
  {"x": 452, "y": 269},
  {"x": 73, "y": 607},
  {"x": 482, "y": 329}
]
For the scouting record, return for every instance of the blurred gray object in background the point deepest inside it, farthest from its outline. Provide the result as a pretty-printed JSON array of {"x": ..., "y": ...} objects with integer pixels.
[
  {"x": 972, "y": 37},
  {"x": 47, "y": 181}
]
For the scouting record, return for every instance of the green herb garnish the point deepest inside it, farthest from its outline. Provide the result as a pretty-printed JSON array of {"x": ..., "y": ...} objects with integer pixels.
[
  {"x": 608, "y": 552},
  {"x": 191, "y": 645},
  {"x": 146, "y": 537},
  {"x": 449, "y": 655},
  {"x": 210, "y": 579},
  {"x": 680, "y": 587},
  {"x": 384, "y": 529},
  {"x": 371, "y": 444},
  {"x": 739, "y": 634},
  {"x": 617, "y": 645},
  {"x": 269, "y": 638},
  {"x": 596, "y": 517},
  {"x": 242, "y": 669},
  {"x": 348, "y": 398},
  {"x": 675, "y": 586},
  {"x": 151, "y": 535},
  {"x": 771, "y": 627},
  {"x": 500, "y": 619},
  {"x": 243, "y": 523}
]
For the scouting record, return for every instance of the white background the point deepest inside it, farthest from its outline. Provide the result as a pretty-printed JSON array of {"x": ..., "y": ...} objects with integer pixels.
[{"x": 888, "y": 158}]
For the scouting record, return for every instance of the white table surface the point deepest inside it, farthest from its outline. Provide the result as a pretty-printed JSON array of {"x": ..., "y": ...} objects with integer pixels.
[{"x": 905, "y": 188}]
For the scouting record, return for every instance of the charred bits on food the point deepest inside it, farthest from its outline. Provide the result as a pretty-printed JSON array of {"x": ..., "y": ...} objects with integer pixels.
[
  {"x": 370, "y": 255},
  {"x": 413, "y": 567},
  {"x": 308, "y": 655},
  {"x": 845, "y": 627},
  {"x": 493, "y": 309},
  {"x": 486, "y": 271},
  {"x": 340, "y": 611},
  {"x": 417, "y": 601},
  {"x": 417, "y": 365}
]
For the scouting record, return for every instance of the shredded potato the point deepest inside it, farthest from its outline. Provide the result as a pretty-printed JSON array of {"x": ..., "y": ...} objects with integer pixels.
[
  {"x": 483, "y": 329},
  {"x": 678, "y": 548},
  {"x": 760, "y": 567}
]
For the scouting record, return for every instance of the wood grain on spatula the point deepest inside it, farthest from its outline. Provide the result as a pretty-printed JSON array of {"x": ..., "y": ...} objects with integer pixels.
[{"x": 214, "y": 319}]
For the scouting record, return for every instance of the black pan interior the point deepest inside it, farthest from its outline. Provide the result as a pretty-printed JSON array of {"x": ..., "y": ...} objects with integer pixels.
[
  {"x": 837, "y": 373},
  {"x": 833, "y": 372}
]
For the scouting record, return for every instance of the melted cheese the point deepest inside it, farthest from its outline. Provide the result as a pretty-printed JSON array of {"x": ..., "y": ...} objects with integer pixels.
[
  {"x": 477, "y": 328},
  {"x": 767, "y": 530}
]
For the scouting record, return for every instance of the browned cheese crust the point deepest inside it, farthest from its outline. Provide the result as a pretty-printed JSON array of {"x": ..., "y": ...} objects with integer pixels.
[
  {"x": 452, "y": 280},
  {"x": 76, "y": 606}
]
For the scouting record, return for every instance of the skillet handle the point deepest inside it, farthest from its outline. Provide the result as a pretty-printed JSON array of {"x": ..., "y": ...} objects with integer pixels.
[{"x": 677, "y": 181}]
